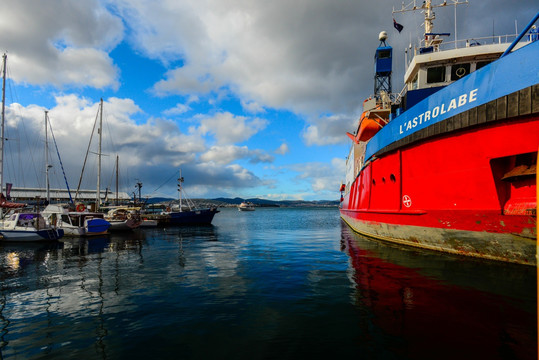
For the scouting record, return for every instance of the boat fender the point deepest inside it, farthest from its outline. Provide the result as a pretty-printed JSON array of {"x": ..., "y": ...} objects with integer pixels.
[{"x": 80, "y": 207}]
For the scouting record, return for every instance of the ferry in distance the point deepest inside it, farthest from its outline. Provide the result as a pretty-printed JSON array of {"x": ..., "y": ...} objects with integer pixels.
[
  {"x": 246, "y": 206},
  {"x": 450, "y": 163}
]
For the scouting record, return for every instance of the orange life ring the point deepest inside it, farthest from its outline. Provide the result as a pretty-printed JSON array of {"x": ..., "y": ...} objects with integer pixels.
[{"x": 81, "y": 208}]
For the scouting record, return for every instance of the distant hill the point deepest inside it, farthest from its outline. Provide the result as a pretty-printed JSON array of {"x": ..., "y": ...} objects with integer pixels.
[
  {"x": 156, "y": 200},
  {"x": 232, "y": 202}
]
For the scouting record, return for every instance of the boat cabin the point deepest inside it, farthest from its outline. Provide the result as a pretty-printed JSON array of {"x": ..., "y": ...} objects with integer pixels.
[{"x": 435, "y": 66}]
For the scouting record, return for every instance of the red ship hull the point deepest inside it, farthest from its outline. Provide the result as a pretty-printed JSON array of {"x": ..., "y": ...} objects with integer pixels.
[{"x": 470, "y": 192}]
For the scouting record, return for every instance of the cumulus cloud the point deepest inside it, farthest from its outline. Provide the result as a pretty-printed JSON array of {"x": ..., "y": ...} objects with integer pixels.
[
  {"x": 149, "y": 149},
  {"x": 323, "y": 177},
  {"x": 247, "y": 47},
  {"x": 228, "y": 128},
  {"x": 328, "y": 130},
  {"x": 229, "y": 153},
  {"x": 177, "y": 110},
  {"x": 66, "y": 43},
  {"x": 252, "y": 107},
  {"x": 283, "y": 149}
]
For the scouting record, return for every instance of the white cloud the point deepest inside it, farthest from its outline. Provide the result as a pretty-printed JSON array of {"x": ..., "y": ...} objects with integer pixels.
[
  {"x": 177, "y": 110},
  {"x": 283, "y": 149},
  {"x": 147, "y": 150},
  {"x": 252, "y": 107},
  {"x": 303, "y": 58},
  {"x": 228, "y": 128},
  {"x": 322, "y": 177},
  {"x": 230, "y": 153},
  {"x": 328, "y": 130},
  {"x": 61, "y": 42}
]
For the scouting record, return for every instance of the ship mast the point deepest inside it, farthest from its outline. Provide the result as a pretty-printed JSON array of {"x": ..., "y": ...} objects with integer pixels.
[
  {"x": 180, "y": 181},
  {"x": 427, "y": 7},
  {"x": 47, "y": 166},
  {"x": 99, "y": 131}
]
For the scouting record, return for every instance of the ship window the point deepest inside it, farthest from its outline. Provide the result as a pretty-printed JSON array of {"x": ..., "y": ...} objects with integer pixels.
[
  {"x": 436, "y": 74},
  {"x": 392, "y": 178},
  {"x": 480, "y": 64},
  {"x": 459, "y": 70}
]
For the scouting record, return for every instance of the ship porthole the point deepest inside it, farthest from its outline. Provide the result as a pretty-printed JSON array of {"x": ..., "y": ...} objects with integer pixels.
[
  {"x": 373, "y": 182},
  {"x": 384, "y": 180},
  {"x": 392, "y": 178}
]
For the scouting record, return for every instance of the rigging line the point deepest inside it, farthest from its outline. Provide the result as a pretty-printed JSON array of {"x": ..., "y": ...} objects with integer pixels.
[
  {"x": 23, "y": 124},
  {"x": 9, "y": 161},
  {"x": 123, "y": 183},
  {"x": 112, "y": 174},
  {"x": 86, "y": 157},
  {"x": 113, "y": 147},
  {"x": 61, "y": 164},
  {"x": 166, "y": 181}
]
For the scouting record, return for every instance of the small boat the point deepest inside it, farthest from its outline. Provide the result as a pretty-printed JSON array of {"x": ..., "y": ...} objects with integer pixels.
[
  {"x": 123, "y": 218},
  {"x": 246, "y": 206},
  {"x": 76, "y": 223},
  {"x": 188, "y": 214},
  {"x": 28, "y": 226},
  {"x": 20, "y": 225}
]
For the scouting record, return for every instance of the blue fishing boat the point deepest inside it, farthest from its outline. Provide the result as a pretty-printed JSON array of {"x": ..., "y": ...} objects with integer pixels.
[{"x": 186, "y": 213}]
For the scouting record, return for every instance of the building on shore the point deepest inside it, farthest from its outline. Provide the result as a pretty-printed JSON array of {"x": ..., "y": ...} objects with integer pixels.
[{"x": 62, "y": 195}]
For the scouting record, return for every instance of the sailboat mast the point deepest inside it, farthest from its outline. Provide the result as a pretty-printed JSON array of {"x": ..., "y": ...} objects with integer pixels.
[
  {"x": 180, "y": 181},
  {"x": 117, "y": 160},
  {"x": 99, "y": 131},
  {"x": 3, "y": 121},
  {"x": 47, "y": 166}
]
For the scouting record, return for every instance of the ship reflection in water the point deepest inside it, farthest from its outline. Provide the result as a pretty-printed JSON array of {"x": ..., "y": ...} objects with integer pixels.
[{"x": 443, "y": 306}]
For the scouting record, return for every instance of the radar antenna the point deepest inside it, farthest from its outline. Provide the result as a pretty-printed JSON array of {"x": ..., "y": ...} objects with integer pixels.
[{"x": 427, "y": 7}]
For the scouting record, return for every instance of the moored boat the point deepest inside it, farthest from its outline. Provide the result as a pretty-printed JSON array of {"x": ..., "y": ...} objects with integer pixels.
[
  {"x": 187, "y": 214},
  {"x": 76, "y": 223},
  {"x": 27, "y": 226},
  {"x": 246, "y": 206},
  {"x": 452, "y": 167},
  {"x": 18, "y": 224},
  {"x": 123, "y": 218}
]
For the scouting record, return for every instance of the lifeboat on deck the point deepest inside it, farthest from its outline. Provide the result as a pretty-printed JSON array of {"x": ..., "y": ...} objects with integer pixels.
[{"x": 373, "y": 118}]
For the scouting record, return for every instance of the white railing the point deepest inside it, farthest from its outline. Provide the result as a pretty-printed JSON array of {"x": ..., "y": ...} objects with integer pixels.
[{"x": 465, "y": 43}]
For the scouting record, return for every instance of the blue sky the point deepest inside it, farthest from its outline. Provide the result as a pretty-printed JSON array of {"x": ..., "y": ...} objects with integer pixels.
[{"x": 247, "y": 98}]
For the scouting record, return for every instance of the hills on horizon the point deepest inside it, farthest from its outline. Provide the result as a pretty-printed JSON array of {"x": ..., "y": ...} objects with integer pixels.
[{"x": 225, "y": 202}]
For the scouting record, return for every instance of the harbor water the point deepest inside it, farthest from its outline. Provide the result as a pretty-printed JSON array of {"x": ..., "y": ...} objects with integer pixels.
[{"x": 275, "y": 283}]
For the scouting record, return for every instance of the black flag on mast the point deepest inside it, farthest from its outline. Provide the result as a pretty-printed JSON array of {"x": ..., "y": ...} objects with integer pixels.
[{"x": 397, "y": 26}]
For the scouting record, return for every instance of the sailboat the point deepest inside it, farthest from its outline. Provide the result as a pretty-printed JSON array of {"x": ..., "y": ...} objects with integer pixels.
[
  {"x": 119, "y": 218},
  {"x": 188, "y": 214},
  {"x": 75, "y": 221},
  {"x": 19, "y": 225}
]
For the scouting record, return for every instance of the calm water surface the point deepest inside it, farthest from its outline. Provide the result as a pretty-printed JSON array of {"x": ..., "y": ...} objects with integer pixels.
[{"x": 268, "y": 284}]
